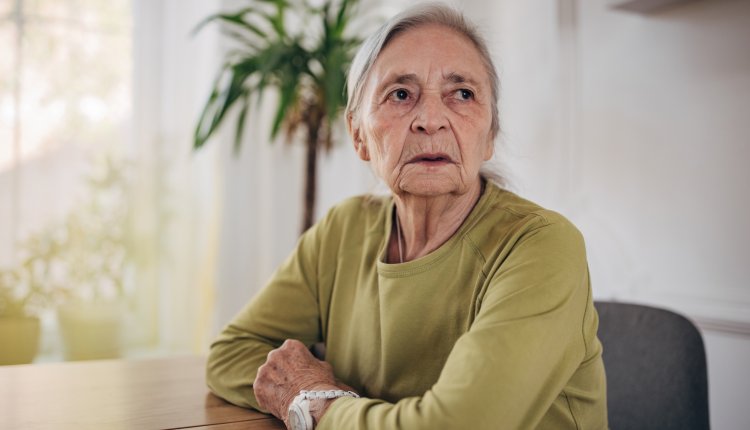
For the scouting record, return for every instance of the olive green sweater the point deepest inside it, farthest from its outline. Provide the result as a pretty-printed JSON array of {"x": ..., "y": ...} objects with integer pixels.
[{"x": 495, "y": 329}]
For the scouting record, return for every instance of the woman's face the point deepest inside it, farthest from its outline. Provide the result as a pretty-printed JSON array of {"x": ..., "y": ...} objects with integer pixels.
[{"x": 425, "y": 119}]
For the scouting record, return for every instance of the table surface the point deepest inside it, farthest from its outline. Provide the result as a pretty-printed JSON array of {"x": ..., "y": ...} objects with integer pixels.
[{"x": 168, "y": 393}]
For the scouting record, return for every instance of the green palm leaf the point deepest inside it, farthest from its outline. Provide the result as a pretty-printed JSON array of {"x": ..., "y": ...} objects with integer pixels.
[{"x": 307, "y": 71}]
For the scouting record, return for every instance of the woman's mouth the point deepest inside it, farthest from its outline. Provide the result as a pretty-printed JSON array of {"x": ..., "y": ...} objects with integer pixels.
[{"x": 431, "y": 159}]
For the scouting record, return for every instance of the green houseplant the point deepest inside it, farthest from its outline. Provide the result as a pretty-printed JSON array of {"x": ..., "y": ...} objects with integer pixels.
[
  {"x": 307, "y": 68},
  {"x": 24, "y": 292},
  {"x": 95, "y": 261},
  {"x": 19, "y": 330},
  {"x": 80, "y": 267}
]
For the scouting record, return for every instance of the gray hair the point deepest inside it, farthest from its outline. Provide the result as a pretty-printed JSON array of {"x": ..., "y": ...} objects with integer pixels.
[{"x": 415, "y": 16}]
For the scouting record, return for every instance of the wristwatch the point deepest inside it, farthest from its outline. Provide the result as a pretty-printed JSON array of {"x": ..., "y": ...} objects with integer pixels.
[{"x": 299, "y": 410}]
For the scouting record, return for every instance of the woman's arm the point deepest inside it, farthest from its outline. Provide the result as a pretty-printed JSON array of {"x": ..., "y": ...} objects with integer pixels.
[{"x": 287, "y": 308}]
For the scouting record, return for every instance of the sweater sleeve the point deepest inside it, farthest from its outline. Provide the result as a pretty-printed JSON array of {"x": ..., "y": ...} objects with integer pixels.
[
  {"x": 525, "y": 343},
  {"x": 286, "y": 308}
]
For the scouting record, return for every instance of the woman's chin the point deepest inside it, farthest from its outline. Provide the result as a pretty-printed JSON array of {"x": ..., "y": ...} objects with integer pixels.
[{"x": 429, "y": 186}]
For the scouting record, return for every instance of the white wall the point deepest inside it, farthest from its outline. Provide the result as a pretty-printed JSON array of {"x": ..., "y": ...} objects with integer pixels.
[{"x": 634, "y": 126}]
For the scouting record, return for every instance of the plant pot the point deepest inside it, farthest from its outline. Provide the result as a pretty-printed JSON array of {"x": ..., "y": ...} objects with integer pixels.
[
  {"x": 19, "y": 339},
  {"x": 91, "y": 331}
]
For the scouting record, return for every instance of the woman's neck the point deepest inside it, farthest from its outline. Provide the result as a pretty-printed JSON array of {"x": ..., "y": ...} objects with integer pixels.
[{"x": 428, "y": 222}]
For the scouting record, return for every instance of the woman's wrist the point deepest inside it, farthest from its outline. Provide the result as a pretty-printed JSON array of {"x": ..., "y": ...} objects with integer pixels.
[{"x": 318, "y": 408}]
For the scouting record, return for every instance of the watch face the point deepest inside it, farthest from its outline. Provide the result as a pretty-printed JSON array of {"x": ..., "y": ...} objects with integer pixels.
[{"x": 296, "y": 418}]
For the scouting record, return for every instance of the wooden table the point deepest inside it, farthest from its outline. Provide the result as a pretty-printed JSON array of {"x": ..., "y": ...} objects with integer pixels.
[{"x": 165, "y": 393}]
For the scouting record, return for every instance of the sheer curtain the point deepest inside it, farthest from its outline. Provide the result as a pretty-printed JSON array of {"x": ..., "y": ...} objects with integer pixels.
[
  {"x": 179, "y": 191},
  {"x": 65, "y": 116},
  {"x": 95, "y": 91}
]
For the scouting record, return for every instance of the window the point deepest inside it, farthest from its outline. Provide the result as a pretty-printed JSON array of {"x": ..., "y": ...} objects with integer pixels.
[
  {"x": 65, "y": 107},
  {"x": 64, "y": 98},
  {"x": 97, "y": 105}
]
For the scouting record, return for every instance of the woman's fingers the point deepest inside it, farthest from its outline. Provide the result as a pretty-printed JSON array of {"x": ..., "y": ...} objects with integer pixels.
[{"x": 288, "y": 370}]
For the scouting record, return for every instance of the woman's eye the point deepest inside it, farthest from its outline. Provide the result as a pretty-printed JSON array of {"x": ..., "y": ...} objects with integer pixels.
[
  {"x": 400, "y": 94},
  {"x": 464, "y": 94}
]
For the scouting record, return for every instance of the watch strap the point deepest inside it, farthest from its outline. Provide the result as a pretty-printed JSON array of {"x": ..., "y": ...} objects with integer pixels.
[{"x": 327, "y": 394}]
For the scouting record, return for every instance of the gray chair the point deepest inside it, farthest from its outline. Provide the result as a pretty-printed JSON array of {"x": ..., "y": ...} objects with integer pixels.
[{"x": 656, "y": 368}]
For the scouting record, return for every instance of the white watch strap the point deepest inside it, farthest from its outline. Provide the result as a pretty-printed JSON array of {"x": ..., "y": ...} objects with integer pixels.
[{"x": 327, "y": 394}]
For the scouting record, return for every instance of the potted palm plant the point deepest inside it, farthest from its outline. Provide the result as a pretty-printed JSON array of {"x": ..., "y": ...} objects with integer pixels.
[{"x": 307, "y": 68}]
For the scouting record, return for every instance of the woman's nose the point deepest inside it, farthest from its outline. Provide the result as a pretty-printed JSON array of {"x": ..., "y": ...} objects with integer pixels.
[{"x": 429, "y": 115}]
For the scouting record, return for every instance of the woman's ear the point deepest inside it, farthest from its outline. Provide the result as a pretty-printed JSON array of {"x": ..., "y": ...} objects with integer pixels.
[
  {"x": 356, "y": 134},
  {"x": 489, "y": 150}
]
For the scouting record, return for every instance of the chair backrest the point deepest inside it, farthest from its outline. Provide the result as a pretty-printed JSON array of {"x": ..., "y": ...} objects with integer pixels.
[{"x": 656, "y": 368}]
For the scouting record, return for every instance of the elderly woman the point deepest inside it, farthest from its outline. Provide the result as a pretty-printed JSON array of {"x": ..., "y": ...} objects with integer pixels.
[{"x": 452, "y": 303}]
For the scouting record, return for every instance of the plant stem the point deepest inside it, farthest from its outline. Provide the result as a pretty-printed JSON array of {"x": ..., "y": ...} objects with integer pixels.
[{"x": 311, "y": 164}]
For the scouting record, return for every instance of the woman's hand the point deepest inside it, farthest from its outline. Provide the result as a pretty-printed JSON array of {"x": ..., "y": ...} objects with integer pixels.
[{"x": 288, "y": 370}]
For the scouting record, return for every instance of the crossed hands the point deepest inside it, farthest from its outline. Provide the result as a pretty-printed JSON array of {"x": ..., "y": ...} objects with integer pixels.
[{"x": 288, "y": 370}]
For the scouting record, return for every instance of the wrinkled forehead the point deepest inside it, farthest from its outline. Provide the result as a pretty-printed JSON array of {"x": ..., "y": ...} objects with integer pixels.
[{"x": 426, "y": 49}]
